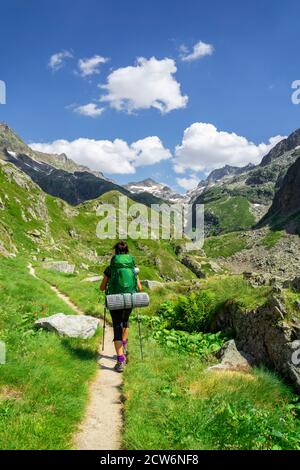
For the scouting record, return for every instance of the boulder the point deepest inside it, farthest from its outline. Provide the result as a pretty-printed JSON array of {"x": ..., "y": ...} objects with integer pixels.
[
  {"x": 194, "y": 266},
  {"x": 35, "y": 233},
  {"x": 151, "y": 284},
  {"x": 60, "y": 266},
  {"x": 93, "y": 279},
  {"x": 84, "y": 266},
  {"x": 73, "y": 326},
  {"x": 294, "y": 284},
  {"x": 232, "y": 359},
  {"x": 264, "y": 334},
  {"x": 214, "y": 266}
]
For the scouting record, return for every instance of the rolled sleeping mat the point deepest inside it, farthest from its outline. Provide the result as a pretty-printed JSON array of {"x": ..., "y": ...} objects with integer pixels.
[{"x": 127, "y": 301}]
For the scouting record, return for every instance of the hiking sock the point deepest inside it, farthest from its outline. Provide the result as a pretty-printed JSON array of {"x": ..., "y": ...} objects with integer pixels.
[
  {"x": 124, "y": 343},
  {"x": 121, "y": 358}
]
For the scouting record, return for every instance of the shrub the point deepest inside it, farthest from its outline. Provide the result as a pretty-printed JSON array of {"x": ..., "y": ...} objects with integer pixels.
[{"x": 190, "y": 313}]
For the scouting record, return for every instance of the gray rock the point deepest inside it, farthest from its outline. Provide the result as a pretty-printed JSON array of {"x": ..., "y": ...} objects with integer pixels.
[
  {"x": 73, "y": 326},
  {"x": 294, "y": 284},
  {"x": 60, "y": 266},
  {"x": 264, "y": 334},
  {"x": 151, "y": 284},
  {"x": 194, "y": 266},
  {"x": 73, "y": 233},
  {"x": 35, "y": 233},
  {"x": 214, "y": 266},
  {"x": 231, "y": 359},
  {"x": 84, "y": 266},
  {"x": 93, "y": 279}
]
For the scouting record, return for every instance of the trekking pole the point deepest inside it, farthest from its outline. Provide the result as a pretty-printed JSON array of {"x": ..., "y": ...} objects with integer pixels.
[
  {"x": 140, "y": 335},
  {"x": 104, "y": 326}
]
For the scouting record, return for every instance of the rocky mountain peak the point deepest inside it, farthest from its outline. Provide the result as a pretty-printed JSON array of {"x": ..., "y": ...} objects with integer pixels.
[
  {"x": 227, "y": 170},
  {"x": 286, "y": 145}
]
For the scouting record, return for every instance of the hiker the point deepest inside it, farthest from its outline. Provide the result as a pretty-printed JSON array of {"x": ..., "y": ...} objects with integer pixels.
[{"x": 120, "y": 278}]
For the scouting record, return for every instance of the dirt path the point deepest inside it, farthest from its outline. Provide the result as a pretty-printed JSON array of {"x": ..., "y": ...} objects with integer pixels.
[{"x": 102, "y": 424}]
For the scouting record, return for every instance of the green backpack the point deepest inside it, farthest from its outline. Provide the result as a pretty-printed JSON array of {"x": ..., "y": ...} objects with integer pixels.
[{"x": 123, "y": 279}]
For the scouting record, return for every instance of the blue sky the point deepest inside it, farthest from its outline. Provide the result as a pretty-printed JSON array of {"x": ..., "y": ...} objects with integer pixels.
[{"x": 243, "y": 86}]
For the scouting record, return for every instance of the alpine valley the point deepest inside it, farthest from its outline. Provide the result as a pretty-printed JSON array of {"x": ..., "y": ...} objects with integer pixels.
[{"x": 237, "y": 299}]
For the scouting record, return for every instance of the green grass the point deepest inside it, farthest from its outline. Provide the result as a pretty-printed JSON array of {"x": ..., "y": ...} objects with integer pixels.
[
  {"x": 173, "y": 403},
  {"x": 43, "y": 385},
  {"x": 233, "y": 213},
  {"x": 85, "y": 295},
  {"x": 292, "y": 299},
  {"x": 224, "y": 245},
  {"x": 235, "y": 287},
  {"x": 56, "y": 221},
  {"x": 271, "y": 239}
]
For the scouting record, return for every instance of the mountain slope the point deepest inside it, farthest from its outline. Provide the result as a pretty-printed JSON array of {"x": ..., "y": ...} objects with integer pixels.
[
  {"x": 34, "y": 224},
  {"x": 286, "y": 145},
  {"x": 58, "y": 175},
  {"x": 285, "y": 209},
  {"x": 11, "y": 144},
  {"x": 250, "y": 194}
]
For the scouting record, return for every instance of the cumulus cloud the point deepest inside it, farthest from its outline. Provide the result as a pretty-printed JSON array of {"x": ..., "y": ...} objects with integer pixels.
[
  {"x": 150, "y": 151},
  {"x": 148, "y": 84},
  {"x": 90, "y": 66},
  {"x": 205, "y": 148},
  {"x": 89, "y": 109},
  {"x": 188, "y": 183},
  {"x": 58, "y": 60},
  {"x": 200, "y": 50},
  {"x": 112, "y": 157}
]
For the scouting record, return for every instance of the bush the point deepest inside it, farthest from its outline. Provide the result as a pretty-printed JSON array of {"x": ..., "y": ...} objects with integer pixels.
[{"x": 190, "y": 313}]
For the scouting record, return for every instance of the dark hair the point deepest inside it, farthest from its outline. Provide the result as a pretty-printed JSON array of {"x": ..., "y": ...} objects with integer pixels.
[{"x": 121, "y": 248}]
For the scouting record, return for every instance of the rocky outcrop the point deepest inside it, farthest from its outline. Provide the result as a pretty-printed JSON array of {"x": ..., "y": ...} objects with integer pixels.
[
  {"x": 227, "y": 170},
  {"x": 287, "y": 199},
  {"x": 193, "y": 265},
  {"x": 232, "y": 359},
  {"x": 285, "y": 145},
  {"x": 60, "y": 266},
  {"x": 73, "y": 326},
  {"x": 294, "y": 284},
  {"x": 264, "y": 334},
  {"x": 151, "y": 284},
  {"x": 93, "y": 279}
]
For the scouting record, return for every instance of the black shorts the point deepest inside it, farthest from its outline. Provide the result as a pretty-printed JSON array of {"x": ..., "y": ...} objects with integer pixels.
[{"x": 120, "y": 319}]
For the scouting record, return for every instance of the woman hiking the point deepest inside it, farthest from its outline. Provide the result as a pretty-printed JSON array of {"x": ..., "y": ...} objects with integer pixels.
[{"x": 120, "y": 278}]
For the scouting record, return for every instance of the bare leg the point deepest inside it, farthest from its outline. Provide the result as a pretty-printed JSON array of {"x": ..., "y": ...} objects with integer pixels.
[
  {"x": 125, "y": 334},
  {"x": 119, "y": 348}
]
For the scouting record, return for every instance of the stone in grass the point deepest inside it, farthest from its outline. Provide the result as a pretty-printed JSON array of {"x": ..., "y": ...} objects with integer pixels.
[
  {"x": 232, "y": 359},
  {"x": 93, "y": 279},
  {"x": 60, "y": 266},
  {"x": 73, "y": 326},
  {"x": 151, "y": 284}
]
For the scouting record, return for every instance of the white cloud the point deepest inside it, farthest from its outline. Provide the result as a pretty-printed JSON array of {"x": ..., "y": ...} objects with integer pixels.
[
  {"x": 90, "y": 66},
  {"x": 200, "y": 50},
  {"x": 112, "y": 157},
  {"x": 148, "y": 84},
  {"x": 57, "y": 60},
  {"x": 188, "y": 183},
  {"x": 150, "y": 151},
  {"x": 204, "y": 148},
  {"x": 89, "y": 109}
]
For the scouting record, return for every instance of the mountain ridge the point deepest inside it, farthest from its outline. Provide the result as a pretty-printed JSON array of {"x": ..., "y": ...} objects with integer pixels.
[{"x": 58, "y": 175}]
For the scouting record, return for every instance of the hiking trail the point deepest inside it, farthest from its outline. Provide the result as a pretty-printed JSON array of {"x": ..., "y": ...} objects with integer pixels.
[{"x": 102, "y": 423}]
